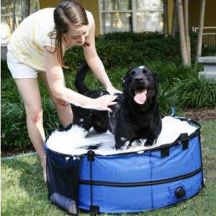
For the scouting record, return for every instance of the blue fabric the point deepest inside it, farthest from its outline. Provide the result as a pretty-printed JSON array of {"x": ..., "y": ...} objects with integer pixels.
[
  {"x": 137, "y": 168},
  {"x": 63, "y": 180},
  {"x": 132, "y": 182}
]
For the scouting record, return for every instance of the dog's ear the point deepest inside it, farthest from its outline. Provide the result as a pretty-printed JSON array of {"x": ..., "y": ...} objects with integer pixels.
[
  {"x": 156, "y": 80},
  {"x": 125, "y": 79}
]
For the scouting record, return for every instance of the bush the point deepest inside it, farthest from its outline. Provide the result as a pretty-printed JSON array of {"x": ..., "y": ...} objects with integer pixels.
[
  {"x": 126, "y": 49},
  {"x": 126, "y": 36},
  {"x": 14, "y": 131},
  {"x": 209, "y": 51},
  {"x": 193, "y": 92},
  {"x": 5, "y": 73}
]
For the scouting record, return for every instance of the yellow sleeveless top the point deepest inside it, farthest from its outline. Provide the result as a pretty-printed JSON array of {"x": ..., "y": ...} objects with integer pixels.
[{"x": 28, "y": 40}]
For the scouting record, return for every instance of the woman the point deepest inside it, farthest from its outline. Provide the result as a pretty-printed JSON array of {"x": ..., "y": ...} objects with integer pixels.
[{"x": 37, "y": 48}]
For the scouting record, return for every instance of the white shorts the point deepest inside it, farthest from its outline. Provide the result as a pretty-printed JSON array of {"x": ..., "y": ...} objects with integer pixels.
[{"x": 18, "y": 69}]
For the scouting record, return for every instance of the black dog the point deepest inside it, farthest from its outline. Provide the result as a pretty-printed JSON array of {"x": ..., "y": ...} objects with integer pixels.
[
  {"x": 136, "y": 115},
  {"x": 88, "y": 118}
]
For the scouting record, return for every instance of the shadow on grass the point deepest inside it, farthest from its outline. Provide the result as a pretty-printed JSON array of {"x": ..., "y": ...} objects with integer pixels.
[
  {"x": 30, "y": 174},
  {"x": 23, "y": 190}
]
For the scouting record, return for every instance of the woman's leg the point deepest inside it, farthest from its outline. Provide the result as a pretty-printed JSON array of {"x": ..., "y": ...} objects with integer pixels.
[
  {"x": 29, "y": 91},
  {"x": 64, "y": 111}
]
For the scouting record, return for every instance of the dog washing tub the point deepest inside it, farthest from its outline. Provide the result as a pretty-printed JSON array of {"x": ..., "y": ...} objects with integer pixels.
[{"x": 131, "y": 180}]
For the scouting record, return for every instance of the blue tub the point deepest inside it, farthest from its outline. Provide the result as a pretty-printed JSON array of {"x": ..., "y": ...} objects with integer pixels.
[{"x": 130, "y": 182}]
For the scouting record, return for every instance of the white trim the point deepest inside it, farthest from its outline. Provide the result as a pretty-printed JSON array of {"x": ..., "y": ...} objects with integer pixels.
[
  {"x": 210, "y": 33},
  {"x": 149, "y": 10},
  {"x": 117, "y": 11}
]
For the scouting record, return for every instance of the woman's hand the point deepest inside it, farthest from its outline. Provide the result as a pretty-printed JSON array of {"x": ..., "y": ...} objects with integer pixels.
[
  {"x": 103, "y": 103},
  {"x": 112, "y": 90}
]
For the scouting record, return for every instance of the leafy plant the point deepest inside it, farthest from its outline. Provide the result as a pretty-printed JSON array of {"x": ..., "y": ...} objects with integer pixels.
[
  {"x": 126, "y": 48},
  {"x": 194, "y": 92}
]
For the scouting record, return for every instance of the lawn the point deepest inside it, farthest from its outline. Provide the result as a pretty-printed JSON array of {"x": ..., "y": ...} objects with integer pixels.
[{"x": 25, "y": 193}]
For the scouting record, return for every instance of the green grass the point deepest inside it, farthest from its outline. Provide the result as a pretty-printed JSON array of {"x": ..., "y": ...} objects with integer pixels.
[{"x": 25, "y": 193}]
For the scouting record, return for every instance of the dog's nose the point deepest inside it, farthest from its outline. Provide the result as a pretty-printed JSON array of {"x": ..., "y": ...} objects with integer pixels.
[{"x": 139, "y": 80}]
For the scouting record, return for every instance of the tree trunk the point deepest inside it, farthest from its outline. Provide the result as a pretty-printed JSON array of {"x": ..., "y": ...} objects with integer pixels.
[
  {"x": 182, "y": 33},
  {"x": 174, "y": 19},
  {"x": 165, "y": 17},
  {"x": 187, "y": 36},
  {"x": 201, "y": 24}
]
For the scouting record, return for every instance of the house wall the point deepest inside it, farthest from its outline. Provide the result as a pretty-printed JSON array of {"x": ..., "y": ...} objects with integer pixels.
[
  {"x": 194, "y": 11},
  {"x": 91, "y": 6},
  {"x": 48, "y": 3}
]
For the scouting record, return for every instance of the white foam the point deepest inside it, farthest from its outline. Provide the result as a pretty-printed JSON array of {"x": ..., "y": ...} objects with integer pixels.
[{"x": 75, "y": 142}]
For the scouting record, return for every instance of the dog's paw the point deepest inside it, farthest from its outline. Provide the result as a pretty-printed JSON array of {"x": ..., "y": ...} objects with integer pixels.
[
  {"x": 149, "y": 142},
  {"x": 136, "y": 143},
  {"x": 122, "y": 144}
]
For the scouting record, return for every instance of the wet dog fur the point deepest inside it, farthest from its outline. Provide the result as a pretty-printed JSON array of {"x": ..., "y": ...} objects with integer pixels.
[
  {"x": 87, "y": 118},
  {"x": 136, "y": 114}
]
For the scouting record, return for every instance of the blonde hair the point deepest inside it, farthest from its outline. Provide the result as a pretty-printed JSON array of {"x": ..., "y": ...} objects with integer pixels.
[{"x": 66, "y": 13}]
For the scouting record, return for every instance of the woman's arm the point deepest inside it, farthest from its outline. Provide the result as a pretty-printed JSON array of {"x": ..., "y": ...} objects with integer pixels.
[
  {"x": 93, "y": 59},
  {"x": 56, "y": 82}
]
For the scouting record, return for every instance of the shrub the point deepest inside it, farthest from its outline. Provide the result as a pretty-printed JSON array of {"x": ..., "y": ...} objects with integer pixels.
[
  {"x": 125, "y": 49},
  {"x": 209, "y": 51},
  {"x": 5, "y": 73},
  {"x": 14, "y": 131},
  {"x": 125, "y": 36},
  {"x": 193, "y": 92}
]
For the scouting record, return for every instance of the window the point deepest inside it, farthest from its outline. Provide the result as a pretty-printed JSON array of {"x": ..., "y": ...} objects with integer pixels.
[
  {"x": 131, "y": 15},
  {"x": 12, "y": 13}
]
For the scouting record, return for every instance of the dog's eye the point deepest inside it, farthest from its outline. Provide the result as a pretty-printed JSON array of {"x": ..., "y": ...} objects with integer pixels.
[{"x": 133, "y": 73}]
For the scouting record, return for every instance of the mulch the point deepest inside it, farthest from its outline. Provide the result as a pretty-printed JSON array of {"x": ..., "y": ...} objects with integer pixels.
[{"x": 200, "y": 114}]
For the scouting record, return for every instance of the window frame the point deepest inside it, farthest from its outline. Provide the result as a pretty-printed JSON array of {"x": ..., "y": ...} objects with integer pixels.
[{"x": 133, "y": 11}]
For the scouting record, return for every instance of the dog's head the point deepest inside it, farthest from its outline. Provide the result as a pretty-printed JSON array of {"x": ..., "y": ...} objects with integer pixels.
[{"x": 140, "y": 85}]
